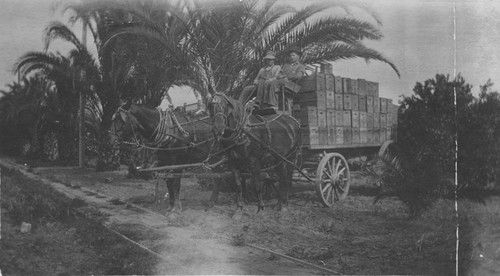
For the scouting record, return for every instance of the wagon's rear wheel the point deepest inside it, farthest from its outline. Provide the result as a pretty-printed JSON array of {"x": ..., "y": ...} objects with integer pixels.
[{"x": 334, "y": 172}]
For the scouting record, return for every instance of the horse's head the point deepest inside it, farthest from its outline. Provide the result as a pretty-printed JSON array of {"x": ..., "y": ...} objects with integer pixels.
[
  {"x": 227, "y": 115},
  {"x": 123, "y": 123},
  {"x": 119, "y": 124}
]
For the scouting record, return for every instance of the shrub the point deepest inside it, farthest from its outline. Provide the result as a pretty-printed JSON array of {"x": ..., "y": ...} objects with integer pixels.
[{"x": 421, "y": 165}]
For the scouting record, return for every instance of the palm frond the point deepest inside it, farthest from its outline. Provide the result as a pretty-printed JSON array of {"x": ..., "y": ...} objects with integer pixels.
[
  {"x": 343, "y": 51},
  {"x": 57, "y": 29}
]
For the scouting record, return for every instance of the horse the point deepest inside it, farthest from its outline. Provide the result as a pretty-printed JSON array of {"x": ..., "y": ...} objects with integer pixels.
[
  {"x": 256, "y": 143},
  {"x": 175, "y": 138}
]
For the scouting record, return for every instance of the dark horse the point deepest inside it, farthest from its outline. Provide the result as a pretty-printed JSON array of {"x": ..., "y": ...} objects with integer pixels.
[
  {"x": 176, "y": 139},
  {"x": 256, "y": 143}
]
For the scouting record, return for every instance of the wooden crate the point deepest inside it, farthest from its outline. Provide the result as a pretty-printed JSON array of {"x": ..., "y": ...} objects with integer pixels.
[
  {"x": 383, "y": 120},
  {"x": 363, "y": 135},
  {"x": 315, "y": 82},
  {"x": 321, "y": 117},
  {"x": 339, "y": 101},
  {"x": 326, "y": 68},
  {"x": 390, "y": 120},
  {"x": 354, "y": 83},
  {"x": 372, "y": 89},
  {"x": 350, "y": 86},
  {"x": 369, "y": 88},
  {"x": 369, "y": 120},
  {"x": 355, "y": 119},
  {"x": 393, "y": 109},
  {"x": 382, "y": 135},
  {"x": 347, "y": 101},
  {"x": 383, "y": 105},
  {"x": 329, "y": 82},
  {"x": 369, "y": 104},
  {"x": 362, "y": 119},
  {"x": 370, "y": 137},
  {"x": 376, "y": 120},
  {"x": 339, "y": 117},
  {"x": 362, "y": 87},
  {"x": 362, "y": 103},
  {"x": 346, "y": 86},
  {"x": 338, "y": 85},
  {"x": 307, "y": 115},
  {"x": 347, "y": 135},
  {"x": 355, "y": 135},
  {"x": 376, "y": 135},
  {"x": 354, "y": 102},
  {"x": 375, "y": 90},
  {"x": 313, "y": 98},
  {"x": 376, "y": 105},
  {"x": 310, "y": 135},
  {"x": 346, "y": 118},
  {"x": 330, "y": 117},
  {"x": 331, "y": 135},
  {"x": 330, "y": 99},
  {"x": 339, "y": 135},
  {"x": 323, "y": 135}
]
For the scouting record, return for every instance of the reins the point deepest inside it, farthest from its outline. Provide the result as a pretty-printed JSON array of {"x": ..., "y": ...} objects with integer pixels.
[{"x": 241, "y": 122}]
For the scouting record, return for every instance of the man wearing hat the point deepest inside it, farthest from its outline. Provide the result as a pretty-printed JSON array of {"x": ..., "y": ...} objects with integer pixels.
[
  {"x": 264, "y": 84},
  {"x": 294, "y": 70}
]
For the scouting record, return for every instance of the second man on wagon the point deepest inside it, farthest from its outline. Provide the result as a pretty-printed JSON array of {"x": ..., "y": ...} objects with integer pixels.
[{"x": 270, "y": 79}]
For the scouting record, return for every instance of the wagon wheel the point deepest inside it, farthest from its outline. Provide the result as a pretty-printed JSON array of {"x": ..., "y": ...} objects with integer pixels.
[{"x": 334, "y": 172}]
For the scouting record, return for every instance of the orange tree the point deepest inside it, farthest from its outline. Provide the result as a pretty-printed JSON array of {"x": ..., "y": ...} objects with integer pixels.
[{"x": 429, "y": 122}]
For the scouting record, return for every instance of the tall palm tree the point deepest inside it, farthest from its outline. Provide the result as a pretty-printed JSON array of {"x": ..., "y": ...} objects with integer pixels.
[{"x": 217, "y": 46}]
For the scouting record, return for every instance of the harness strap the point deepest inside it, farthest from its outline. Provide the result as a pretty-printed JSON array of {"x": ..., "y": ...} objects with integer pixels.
[
  {"x": 279, "y": 155},
  {"x": 160, "y": 136}
]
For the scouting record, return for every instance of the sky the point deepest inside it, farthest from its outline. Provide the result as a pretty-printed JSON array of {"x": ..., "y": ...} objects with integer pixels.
[{"x": 421, "y": 37}]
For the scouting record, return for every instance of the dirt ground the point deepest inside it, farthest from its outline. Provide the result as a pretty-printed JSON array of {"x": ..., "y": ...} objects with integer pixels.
[{"x": 353, "y": 237}]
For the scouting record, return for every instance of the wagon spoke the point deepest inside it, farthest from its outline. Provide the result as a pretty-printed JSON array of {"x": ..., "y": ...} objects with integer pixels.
[
  {"x": 340, "y": 188},
  {"x": 328, "y": 174},
  {"x": 338, "y": 165},
  {"x": 328, "y": 196},
  {"x": 330, "y": 166},
  {"x": 336, "y": 194},
  {"x": 341, "y": 171},
  {"x": 333, "y": 171},
  {"x": 326, "y": 187}
]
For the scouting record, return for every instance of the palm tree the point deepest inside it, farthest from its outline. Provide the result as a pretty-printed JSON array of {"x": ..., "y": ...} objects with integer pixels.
[
  {"x": 24, "y": 111},
  {"x": 218, "y": 46}
]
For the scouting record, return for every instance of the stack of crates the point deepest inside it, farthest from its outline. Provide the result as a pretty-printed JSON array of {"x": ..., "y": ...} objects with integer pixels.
[{"x": 333, "y": 110}]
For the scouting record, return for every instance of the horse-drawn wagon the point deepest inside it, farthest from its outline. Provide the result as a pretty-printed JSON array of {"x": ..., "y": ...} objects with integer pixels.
[
  {"x": 342, "y": 119},
  {"x": 333, "y": 119}
]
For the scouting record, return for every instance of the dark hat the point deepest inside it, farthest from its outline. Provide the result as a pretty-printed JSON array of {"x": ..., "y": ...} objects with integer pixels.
[
  {"x": 294, "y": 50},
  {"x": 270, "y": 55}
]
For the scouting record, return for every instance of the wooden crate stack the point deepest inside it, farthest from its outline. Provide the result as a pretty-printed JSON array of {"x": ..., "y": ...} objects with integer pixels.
[{"x": 333, "y": 110}]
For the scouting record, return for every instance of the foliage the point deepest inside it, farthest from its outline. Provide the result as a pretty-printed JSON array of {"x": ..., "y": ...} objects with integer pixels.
[
  {"x": 420, "y": 167},
  {"x": 218, "y": 46},
  {"x": 479, "y": 144}
]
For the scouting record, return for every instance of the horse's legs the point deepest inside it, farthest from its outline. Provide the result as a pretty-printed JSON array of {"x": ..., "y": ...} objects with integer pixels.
[
  {"x": 244, "y": 190},
  {"x": 174, "y": 187},
  {"x": 285, "y": 173},
  {"x": 237, "y": 181},
  {"x": 255, "y": 170}
]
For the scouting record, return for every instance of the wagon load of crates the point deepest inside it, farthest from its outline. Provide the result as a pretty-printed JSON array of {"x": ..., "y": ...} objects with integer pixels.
[{"x": 342, "y": 112}]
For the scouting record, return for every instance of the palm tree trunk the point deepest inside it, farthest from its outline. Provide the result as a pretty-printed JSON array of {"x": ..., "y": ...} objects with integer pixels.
[{"x": 81, "y": 145}]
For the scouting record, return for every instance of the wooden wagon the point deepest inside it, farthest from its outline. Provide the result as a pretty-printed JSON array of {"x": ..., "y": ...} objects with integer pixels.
[{"x": 340, "y": 118}]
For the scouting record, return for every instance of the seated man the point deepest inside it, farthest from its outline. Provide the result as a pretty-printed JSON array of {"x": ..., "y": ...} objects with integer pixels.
[
  {"x": 263, "y": 88},
  {"x": 294, "y": 70}
]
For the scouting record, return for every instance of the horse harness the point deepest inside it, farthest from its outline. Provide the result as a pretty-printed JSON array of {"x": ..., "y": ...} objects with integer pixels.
[{"x": 162, "y": 136}]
